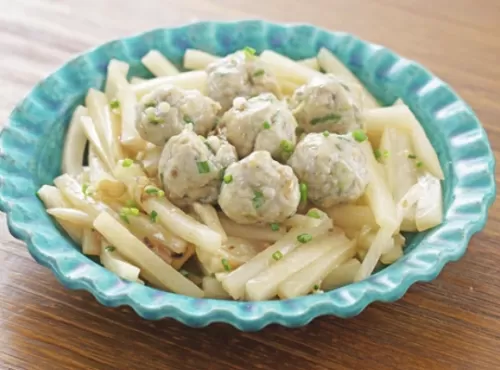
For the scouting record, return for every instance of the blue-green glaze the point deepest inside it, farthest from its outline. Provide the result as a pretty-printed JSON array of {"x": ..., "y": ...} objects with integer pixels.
[{"x": 30, "y": 155}]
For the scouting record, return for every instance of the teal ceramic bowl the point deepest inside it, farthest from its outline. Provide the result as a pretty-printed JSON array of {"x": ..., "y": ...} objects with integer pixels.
[{"x": 31, "y": 145}]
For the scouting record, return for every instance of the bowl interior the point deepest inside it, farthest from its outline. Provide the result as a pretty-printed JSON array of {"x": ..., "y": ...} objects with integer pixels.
[{"x": 32, "y": 147}]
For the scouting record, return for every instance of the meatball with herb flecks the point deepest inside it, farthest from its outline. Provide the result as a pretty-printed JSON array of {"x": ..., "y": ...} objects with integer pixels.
[
  {"x": 259, "y": 189},
  {"x": 326, "y": 104},
  {"x": 260, "y": 123},
  {"x": 333, "y": 167},
  {"x": 165, "y": 112},
  {"x": 241, "y": 74},
  {"x": 190, "y": 170}
]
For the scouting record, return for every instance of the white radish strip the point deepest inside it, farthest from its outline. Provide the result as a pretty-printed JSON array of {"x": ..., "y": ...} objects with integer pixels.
[
  {"x": 213, "y": 288},
  {"x": 331, "y": 64},
  {"x": 197, "y": 59},
  {"x": 208, "y": 215},
  {"x": 158, "y": 64},
  {"x": 235, "y": 282},
  {"x": 152, "y": 266},
  {"x": 91, "y": 243},
  {"x": 74, "y": 216},
  {"x": 265, "y": 285},
  {"x": 74, "y": 144},
  {"x": 286, "y": 68},
  {"x": 341, "y": 275},
  {"x": 117, "y": 77},
  {"x": 53, "y": 198},
  {"x": 196, "y": 80},
  {"x": 129, "y": 138},
  {"x": 304, "y": 280},
  {"x": 430, "y": 206}
]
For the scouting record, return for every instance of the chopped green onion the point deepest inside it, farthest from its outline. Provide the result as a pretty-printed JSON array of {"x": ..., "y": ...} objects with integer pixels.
[
  {"x": 314, "y": 214},
  {"x": 150, "y": 104},
  {"x": 85, "y": 188},
  {"x": 275, "y": 227},
  {"x": 203, "y": 167},
  {"x": 110, "y": 248},
  {"x": 326, "y": 133},
  {"x": 303, "y": 192},
  {"x": 153, "y": 216},
  {"x": 131, "y": 203},
  {"x": 258, "y": 199},
  {"x": 359, "y": 136},
  {"x": 258, "y": 73},
  {"x": 286, "y": 146},
  {"x": 249, "y": 52},
  {"x": 277, "y": 255},
  {"x": 187, "y": 119},
  {"x": 127, "y": 162},
  {"x": 266, "y": 125},
  {"x": 412, "y": 156},
  {"x": 377, "y": 154},
  {"x": 316, "y": 287},
  {"x": 124, "y": 217},
  {"x": 152, "y": 190},
  {"x": 228, "y": 178},
  {"x": 153, "y": 118},
  {"x": 225, "y": 264},
  {"x": 334, "y": 117},
  {"x": 385, "y": 154},
  {"x": 419, "y": 164},
  {"x": 114, "y": 104},
  {"x": 126, "y": 211},
  {"x": 304, "y": 238}
]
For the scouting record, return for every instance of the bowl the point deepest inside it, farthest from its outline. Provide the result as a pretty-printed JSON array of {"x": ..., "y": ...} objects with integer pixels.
[{"x": 31, "y": 146}]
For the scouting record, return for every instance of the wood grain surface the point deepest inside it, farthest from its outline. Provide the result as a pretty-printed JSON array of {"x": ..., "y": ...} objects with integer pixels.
[{"x": 451, "y": 323}]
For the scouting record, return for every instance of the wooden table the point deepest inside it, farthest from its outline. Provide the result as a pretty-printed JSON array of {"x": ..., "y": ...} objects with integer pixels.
[{"x": 451, "y": 323}]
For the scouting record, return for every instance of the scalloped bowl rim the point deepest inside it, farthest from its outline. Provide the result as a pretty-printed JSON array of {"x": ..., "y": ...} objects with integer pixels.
[{"x": 343, "y": 302}]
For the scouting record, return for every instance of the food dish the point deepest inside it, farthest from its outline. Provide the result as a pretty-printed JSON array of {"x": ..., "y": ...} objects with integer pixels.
[
  {"x": 303, "y": 301},
  {"x": 265, "y": 150}
]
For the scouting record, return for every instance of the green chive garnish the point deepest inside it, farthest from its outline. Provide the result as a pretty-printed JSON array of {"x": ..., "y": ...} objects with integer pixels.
[
  {"x": 151, "y": 190},
  {"x": 385, "y": 154},
  {"x": 249, "y": 52},
  {"x": 110, "y": 248},
  {"x": 127, "y": 162},
  {"x": 203, "y": 167},
  {"x": 131, "y": 204},
  {"x": 377, "y": 154},
  {"x": 266, "y": 125},
  {"x": 419, "y": 164},
  {"x": 359, "y": 136},
  {"x": 124, "y": 217},
  {"x": 275, "y": 227},
  {"x": 153, "y": 216},
  {"x": 150, "y": 104},
  {"x": 326, "y": 133},
  {"x": 303, "y": 192},
  {"x": 333, "y": 117},
  {"x": 228, "y": 178},
  {"x": 85, "y": 188},
  {"x": 314, "y": 214},
  {"x": 259, "y": 73},
  {"x": 286, "y": 146},
  {"x": 258, "y": 199},
  {"x": 187, "y": 119},
  {"x": 316, "y": 287},
  {"x": 114, "y": 104},
  {"x": 304, "y": 238},
  {"x": 225, "y": 264},
  {"x": 412, "y": 156},
  {"x": 134, "y": 211},
  {"x": 277, "y": 255}
]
